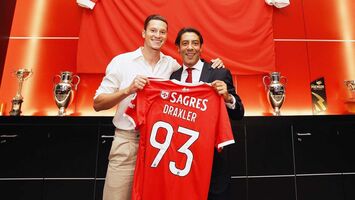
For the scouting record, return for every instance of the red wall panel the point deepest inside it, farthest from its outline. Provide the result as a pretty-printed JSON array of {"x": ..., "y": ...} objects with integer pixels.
[
  {"x": 58, "y": 18},
  {"x": 329, "y": 19},
  {"x": 288, "y": 22}
]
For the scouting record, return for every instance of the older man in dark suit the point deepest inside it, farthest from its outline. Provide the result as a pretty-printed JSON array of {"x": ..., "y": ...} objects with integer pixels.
[{"x": 189, "y": 42}]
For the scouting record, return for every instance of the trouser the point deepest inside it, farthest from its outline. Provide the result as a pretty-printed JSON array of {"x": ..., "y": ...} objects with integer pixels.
[{"x": 120, "y": 170}]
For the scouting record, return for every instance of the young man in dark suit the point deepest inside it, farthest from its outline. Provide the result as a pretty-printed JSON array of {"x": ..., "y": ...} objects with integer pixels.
[{"x": 189, "y": 42}]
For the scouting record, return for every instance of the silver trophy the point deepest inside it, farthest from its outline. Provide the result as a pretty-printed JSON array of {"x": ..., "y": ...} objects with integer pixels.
[
  {"x": 21, "y": 75},
  {"x": 275, "y": 90},
  {"x": 63, "y": 90},
  {"x": 350, "y": 84}
]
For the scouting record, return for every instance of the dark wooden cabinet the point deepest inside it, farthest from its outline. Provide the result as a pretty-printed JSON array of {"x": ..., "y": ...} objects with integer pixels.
[
  {"x": 71, "y": 151},
  {"x": 275, "y": 188},
  {"x": 22, "y": 151},
  {"x": 349, "y": 185},
  {"x": 295, "y": 157},
  {"x": 238, "y": 188},
  {"x": 22, "y": 189},
  {"x": 48, "y": 157},
  {"x": 270, "y": 166},
  {"x": 317, "y": 148},
  {"x": 21, "y": 162},
  {"x": 322, "y": 155},
  {"x": 347, "y": 137},
  {"x": 106, "y": 136},
  {"x": 69, "y": 189},
  {"x": 269, "y": 147},
  {"x": 325, "y": 187}
]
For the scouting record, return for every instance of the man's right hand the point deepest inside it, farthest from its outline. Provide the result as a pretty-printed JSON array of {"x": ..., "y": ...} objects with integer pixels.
[{"x": 138, "y": 83}]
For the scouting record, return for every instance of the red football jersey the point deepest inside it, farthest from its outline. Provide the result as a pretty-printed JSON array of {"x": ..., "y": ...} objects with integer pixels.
[{"x": 179, "y": 124}]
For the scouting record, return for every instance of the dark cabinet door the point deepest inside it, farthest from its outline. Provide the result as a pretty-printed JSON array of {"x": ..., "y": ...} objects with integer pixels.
[
  {"x": 237, "y": 162},
  {"x": 349, "y": 185},
  {"x": 237, "y": 151},
  {"x": 69, "y": 189},
  {"x": 21, "y": 189},
  {"x": 71, "y": 151},
  {"x": 347, "y": 140},
  {"x": 269, "y": 148},
  {"x": 317, "y": 148},
  {"x": 320, "y": 187},
  {"x": 270, "y": 159},
  {"x": 21, "y": 151},
  {"x": 279, "y": 188},
  {"x": 317, "y": 158},
  {"x": 22, "y": 161},
  {"x": 106, "y": 136},
  {"x": 71, "y": 161},
  {"x": 238, "y": 189},
  {"x": 347, "y": 147}
]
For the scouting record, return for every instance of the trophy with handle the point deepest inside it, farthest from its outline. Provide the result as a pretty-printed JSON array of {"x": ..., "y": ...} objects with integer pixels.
[
  {"x": 275, "y": 90},
  {"x": 63, "y": 90},
  {"x": 21, "y": 75},
  {"x": 350, "y": 84}
]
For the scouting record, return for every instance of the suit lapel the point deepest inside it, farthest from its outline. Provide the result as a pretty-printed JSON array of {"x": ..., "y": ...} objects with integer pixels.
[
  {"x": 177, "y": 74},
  {"x": 205, "y": 73}
]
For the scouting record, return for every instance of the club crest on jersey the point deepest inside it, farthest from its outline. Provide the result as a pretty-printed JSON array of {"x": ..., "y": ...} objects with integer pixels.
[
  {"x": 164, "y": 94},
  {"x": 185, "y": 89}
]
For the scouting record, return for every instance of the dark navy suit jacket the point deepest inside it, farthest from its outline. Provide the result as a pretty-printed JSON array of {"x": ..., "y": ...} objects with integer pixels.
[{"x": 220, "y": 178}]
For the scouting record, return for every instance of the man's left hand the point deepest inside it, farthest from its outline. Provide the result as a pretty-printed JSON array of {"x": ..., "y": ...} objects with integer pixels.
[
  {"x": 221, "y": 88},
  {"x": 217, "y": 63}
]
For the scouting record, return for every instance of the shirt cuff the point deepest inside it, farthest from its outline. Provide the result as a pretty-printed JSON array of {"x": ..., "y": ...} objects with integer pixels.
[{"x": 231, "y": 105}]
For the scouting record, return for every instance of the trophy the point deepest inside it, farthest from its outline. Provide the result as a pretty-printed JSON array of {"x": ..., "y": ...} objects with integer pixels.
[
  {"x": 275, "y": 90},
  {"x": 21, "y": 75},
  {"x": 350, "y": 84},
  {"x": 63, "y": 93}
]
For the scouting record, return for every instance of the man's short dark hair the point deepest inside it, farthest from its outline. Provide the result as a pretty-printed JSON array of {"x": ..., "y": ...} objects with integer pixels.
[
  {"x": 154, "y": 17},
  {"x": 185, "y": 30}
]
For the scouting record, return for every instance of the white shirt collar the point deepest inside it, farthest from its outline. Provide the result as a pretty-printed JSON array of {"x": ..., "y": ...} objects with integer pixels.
[
  {"x": 138, "y": 54},
  {"x": 198, "y": 66}
]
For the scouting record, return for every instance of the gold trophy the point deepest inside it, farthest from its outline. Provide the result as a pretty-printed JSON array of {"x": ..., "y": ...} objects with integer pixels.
[
  {"x": 21, "y": 75},
  {"x": 275, "y": 90},
  {"x": 63, "y": 93}
]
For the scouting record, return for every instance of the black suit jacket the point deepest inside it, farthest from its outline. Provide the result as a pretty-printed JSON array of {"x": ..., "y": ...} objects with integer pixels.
[{"x": 220, "y": 178}]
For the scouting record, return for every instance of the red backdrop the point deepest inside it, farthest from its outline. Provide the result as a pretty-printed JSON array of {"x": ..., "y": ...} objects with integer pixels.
[{"x": 237, "y": 31}]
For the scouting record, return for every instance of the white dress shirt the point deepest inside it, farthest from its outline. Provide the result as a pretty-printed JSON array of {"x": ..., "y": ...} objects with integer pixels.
[
  {"x": 196, "y": 74},
  {"x": 122, "y": 70}
]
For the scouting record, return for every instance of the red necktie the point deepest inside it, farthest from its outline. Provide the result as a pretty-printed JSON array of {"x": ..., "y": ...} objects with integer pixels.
[{"x": 189, "y": 75}]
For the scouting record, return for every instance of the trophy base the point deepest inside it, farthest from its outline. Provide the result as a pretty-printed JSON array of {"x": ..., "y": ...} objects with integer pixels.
[
  {"x": 277, "y": 111},
  {"x": 350, "y": 105},
  {"x": 61, "y": 112},
  {"x": 16, "y": 107},
  {"x": 15, "y": 112}
]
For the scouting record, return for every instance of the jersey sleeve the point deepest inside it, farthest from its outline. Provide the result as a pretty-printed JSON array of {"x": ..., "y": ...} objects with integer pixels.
[
  {"x": 224, "y": 131},
  {"x": 136, "y": 110}
]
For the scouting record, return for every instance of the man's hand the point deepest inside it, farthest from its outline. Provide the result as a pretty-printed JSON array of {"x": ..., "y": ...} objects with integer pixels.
[
  {"x": 217, "y": 63},
  {"x": 221, "y": 88},
  {"x": 138, "y": 83}
]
